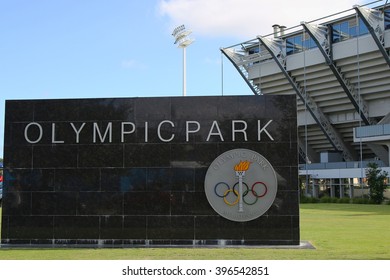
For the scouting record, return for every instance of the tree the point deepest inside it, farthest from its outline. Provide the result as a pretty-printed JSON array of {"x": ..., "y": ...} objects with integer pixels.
[{"x": 376, "y": 182}]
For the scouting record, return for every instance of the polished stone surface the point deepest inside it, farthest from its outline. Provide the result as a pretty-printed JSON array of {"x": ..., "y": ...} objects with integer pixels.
[{"x": 72, "y": 177}]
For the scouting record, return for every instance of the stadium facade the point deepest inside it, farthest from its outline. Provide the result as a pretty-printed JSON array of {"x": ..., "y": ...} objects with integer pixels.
[{"x": 339, "y": 68}]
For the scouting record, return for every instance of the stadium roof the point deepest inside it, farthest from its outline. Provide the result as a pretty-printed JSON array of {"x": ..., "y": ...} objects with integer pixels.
[{"x": 339, "y": 68}]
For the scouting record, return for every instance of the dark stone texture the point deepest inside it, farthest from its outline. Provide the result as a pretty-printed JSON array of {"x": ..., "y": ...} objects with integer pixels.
[{"x": 78, "y": 181}]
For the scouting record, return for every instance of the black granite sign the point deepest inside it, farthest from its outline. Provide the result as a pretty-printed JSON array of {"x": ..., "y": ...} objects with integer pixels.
[{"x": 131, "y": 171}]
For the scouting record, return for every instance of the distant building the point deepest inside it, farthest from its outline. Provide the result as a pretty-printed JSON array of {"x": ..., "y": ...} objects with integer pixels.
[{"x": 339, "y": 68}]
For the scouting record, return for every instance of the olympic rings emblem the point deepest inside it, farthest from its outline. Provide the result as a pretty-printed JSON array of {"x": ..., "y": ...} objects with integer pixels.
[{"x": 223, "y": 190}]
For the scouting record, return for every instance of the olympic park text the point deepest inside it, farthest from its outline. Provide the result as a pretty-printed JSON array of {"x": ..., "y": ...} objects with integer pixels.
[
  {"x": 96, "y": 132},
  {"x": 221, "y": 160}
]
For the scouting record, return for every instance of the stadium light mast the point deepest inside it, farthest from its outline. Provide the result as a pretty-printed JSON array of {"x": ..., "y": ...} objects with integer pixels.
[{"x": 183, "y": 41}]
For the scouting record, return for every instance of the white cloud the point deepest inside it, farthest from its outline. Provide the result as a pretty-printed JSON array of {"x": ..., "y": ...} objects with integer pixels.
[
  {"x": 246, "y": 19},
  {"x": 132, "y": 64}
]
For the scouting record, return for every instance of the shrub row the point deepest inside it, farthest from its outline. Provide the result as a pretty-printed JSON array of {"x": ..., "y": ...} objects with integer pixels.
[{"x": 327, "y": 199}]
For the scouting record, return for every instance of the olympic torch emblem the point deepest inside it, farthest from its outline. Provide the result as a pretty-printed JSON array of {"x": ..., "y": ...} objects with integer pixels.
[
  {"x": 240, "y": 169},
  {"x": 240, "y": 185}
]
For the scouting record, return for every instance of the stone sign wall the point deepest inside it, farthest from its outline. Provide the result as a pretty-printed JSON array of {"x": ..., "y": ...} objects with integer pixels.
[{"x": 151, "y": 172}]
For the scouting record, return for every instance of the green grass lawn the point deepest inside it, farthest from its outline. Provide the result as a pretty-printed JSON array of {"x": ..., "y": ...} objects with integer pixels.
[{"x": 338, "y": 231}]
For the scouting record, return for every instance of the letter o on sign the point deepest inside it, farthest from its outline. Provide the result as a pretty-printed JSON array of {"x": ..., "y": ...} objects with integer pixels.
[{"x": 26, "y": 136}]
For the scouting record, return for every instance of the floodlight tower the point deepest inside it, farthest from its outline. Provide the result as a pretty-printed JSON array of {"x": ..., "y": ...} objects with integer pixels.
[{"x": 183, "y": 41}]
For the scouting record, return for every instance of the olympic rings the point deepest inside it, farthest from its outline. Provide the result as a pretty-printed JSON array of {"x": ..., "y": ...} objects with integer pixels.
[
  {"x": 225, "y": 195},
  {"x": 223, "y": 187},
  {"x": 246, "y": 202},
  {"x": 244, "y": 184},
  {"x": 265, "y": 189}
]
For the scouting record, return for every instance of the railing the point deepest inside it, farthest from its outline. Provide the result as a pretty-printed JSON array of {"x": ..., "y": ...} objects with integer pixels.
[
  {"x": 340, "y": 165},
  {"x": 372, "y": 131}
]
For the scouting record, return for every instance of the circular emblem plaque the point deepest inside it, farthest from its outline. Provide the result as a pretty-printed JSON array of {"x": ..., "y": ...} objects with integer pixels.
[{"x": 240, "y": 185}]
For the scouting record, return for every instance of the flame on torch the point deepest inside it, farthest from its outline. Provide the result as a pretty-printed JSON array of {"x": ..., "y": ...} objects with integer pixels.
[
  {"x": 240, "y": 173},
  {"x": 242, "y": 166}
]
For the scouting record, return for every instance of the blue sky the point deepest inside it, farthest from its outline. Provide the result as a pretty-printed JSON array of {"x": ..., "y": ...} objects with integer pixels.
[{"x": 124, "y": 48}]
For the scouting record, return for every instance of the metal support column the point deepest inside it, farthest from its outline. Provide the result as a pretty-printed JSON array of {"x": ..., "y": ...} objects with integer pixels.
[
  {"x": 375, "y": 22},
  {"x": 320, "y": 35},
  {"x": 277, "y": 48},
  {"x": 235, "y": 60},
  {"x": 307, "y": 153}
]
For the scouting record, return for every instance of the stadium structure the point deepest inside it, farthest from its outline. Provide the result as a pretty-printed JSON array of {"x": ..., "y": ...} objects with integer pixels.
[{"x": 339, "y": 68}]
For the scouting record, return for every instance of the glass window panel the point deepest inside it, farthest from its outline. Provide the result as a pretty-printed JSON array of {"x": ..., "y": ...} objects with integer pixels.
[
  {"x": 344, "y": 28},
  {"x": 298, "y": 43},
  {"x": 298, "y": 40},
  {"x": 336, "y": 33},
  {"x": 353, "y": 31},
  {"x": 309, "y": 44},
  {"x": 387, "y": 19},
  {"x": 290, "y": 45},
  {"x": 254, "y": 50},
  {"x": 341, "y": 32},
  {"x": 362, "y": 28}
]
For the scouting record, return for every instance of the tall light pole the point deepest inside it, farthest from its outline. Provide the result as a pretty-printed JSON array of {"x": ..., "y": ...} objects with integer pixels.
[{"x": 183, "y": 41}]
